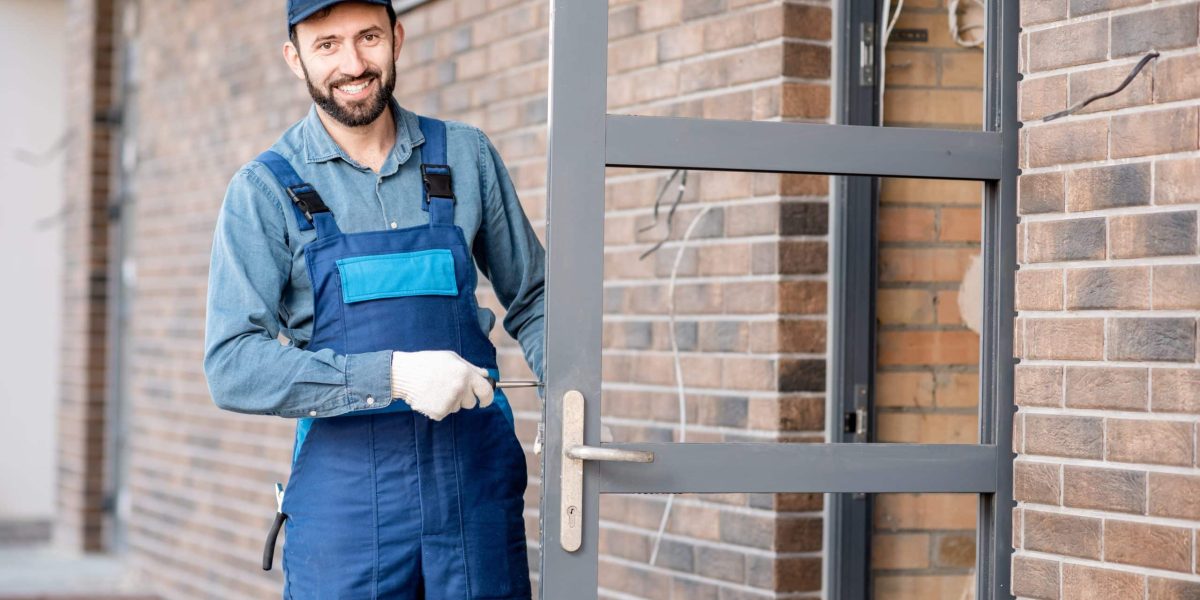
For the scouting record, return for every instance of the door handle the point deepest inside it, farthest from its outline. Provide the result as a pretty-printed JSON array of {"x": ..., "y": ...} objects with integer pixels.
[{"x": 574, "y": 453}]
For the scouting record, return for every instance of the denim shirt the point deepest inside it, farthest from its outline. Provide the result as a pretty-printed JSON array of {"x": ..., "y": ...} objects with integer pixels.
[{"x": 258, "y": 286}]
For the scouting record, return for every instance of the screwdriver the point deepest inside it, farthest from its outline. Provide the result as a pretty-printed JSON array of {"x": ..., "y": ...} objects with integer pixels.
[{"x": 512, "y": 384}]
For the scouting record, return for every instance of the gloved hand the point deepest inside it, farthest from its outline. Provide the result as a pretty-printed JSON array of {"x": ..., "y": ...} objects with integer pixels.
[{"x": 436, "y": 383}]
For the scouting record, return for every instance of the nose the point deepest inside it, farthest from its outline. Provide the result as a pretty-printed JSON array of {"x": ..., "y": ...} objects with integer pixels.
[{"x": 352, "y": 63}]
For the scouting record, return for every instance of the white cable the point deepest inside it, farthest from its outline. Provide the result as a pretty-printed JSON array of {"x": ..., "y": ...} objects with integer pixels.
[
  {"x": 883, "y": 41},
  {"x": 662, "y": 525}
]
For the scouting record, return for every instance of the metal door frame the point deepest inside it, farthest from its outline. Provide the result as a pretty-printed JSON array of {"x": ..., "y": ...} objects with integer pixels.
[{"x": 584, "y": 139}]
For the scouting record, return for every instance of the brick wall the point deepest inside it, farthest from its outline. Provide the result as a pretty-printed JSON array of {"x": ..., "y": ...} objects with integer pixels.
[
  {"x": 927, "y": 370},
  {"x": 1109, "y": 295},
  {"x": 81, "y": 396}
]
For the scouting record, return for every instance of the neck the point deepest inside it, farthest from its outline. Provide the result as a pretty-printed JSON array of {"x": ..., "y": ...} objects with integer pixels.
[{"x": 367, "y": 144}]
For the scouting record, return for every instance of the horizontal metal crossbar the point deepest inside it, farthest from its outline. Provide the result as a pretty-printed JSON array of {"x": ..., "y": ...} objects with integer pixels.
[
  {"x": 786, "y": 467},
  {"x": 767, "y": 146}
]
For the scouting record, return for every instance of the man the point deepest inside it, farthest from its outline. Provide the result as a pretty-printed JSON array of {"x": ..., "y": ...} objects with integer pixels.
[{"x": 357, "y": 237}]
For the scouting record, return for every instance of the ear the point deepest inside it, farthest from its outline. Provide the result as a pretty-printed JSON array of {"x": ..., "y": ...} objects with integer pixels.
[
  {"x": 399, "y": 37},
  {"x": 292, "y": 56}
]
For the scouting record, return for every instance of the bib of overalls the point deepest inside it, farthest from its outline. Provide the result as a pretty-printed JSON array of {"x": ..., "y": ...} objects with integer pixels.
[{"x": 385, "y": 502}]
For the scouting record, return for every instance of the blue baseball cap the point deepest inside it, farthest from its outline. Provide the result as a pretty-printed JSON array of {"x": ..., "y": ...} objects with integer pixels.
[{"x": 299, "y": 10}]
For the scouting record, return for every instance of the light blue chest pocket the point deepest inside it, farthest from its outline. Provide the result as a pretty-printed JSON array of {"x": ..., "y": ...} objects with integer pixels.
[{"x": 419, "y": 273}]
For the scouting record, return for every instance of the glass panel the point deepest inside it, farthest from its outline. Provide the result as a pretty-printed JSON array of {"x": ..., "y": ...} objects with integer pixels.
[
  {"x": 712, "y": 546},
  {"x": 923, "y": 546},
  {"x": 773, "y": 61},
  {"x": 743, "y": 263},
  {"x": 929, "y": 307}
]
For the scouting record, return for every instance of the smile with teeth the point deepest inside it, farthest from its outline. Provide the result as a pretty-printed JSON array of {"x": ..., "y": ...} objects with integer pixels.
[{"x": 354, "y": 89}]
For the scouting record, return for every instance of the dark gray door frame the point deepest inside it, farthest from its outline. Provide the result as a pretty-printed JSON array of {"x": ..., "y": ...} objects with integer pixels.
[
  {"x": 584, "y": 139},
  {"x": 854, "y": 211}
]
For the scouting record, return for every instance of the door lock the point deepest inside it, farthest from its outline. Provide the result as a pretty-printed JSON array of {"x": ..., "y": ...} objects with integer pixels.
[{"x": 574, "y": 453}]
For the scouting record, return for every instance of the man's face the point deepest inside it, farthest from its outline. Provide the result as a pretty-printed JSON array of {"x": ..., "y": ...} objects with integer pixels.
[{"x": 348, "y": 60}]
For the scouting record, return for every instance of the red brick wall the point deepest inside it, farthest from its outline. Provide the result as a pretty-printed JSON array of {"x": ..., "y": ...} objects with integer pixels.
[{"x": 1109, "y": 295}]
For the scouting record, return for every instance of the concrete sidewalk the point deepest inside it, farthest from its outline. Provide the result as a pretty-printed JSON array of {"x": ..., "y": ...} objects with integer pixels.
[{"x": 43, "y": 573}]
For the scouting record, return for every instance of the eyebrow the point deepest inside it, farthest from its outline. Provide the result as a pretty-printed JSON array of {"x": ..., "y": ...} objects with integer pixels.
[{"x": 329, "y": 37}]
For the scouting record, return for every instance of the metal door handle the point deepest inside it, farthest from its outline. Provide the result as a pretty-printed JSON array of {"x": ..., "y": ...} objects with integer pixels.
[{"x": 574, "y": 453}]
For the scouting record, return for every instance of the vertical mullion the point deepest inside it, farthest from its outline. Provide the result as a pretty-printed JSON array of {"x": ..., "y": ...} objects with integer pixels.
[
  {"x": 574, "y": 283},
  {"x": 994, "y": 543}
]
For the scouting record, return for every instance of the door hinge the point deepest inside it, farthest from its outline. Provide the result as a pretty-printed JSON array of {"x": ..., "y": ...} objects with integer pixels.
[{"x": 866, "y": 54}]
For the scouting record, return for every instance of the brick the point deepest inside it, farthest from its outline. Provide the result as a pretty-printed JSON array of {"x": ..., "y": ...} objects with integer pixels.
[
  {"x": 1175, "y": 390},
  {"x": 1108, "y": 288},
  {"x": 1035, "y": 578},
  {"x": 807, "y": 60},
  {"x": 924, "y": 264},
  {"x": 1161, "y": 339},
  {"x": 1041, "y": 193},
  {"x": 1037, "y": 482},
  {"x": 1158, "y": 29},
  {"x": 1055, "y": 435},
  {"x": 1156, "y": 234},
  {"x": 1039, "y": 289},
  {"x": 905, "y": 306},
  {"x": 960, "y": 225},
  {"x": 1154, "y": 132},
  {"x": 806, "y": 101},
  {"x": 1150, "y": 442},
  {"x": 804, "y": 218},
  {"x": 1069, "y": 142},
  {"x": 1087, "y": 7},
  {"x": 1161, "y": 588},
  {"x": 907, "y": 190},
  {"x": 903, "y": 224},
  {"x": 1067, "y": 535},
  {"x": 1064, "y": 339},
  {"x": 1175, "y": 181},
  {"x": 946, "y": 107},
  {"x": 928, "y": 348},
  {"x": 1033, "y": 13},
  {"x": 1104, "y": 489},
  {"x": 956, "y": 551},
  {"x": 904, "y": 389},
  {"x": 1074, "y": 44},
  {"x": 956, "y": 390},
  {"x": 1082, "y": 582},
  {"x": 1176, "y": 287},
  {"x": 1108, "y": 187},
  {"x": 900, "y": 551},
  {"x": 1175, "y": 78},
  {"x": 1038, "y": 386},
  {"x": 961, "y": 69},
  {"x": 924, "y": 511},
  {"x": 1041, "y": 96},
  {"x": 1146, "y": 545},
  {"x": 1115, "y": 388},
  {"x": 808, "y": 22},
  {"x": 1074, "y": 239},
  {"x": 1176, "y": 496}
]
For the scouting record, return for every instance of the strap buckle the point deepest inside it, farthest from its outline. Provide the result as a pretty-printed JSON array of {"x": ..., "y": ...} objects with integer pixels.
[
  {"x": 307, "y": 198},
  {"x": 438, "y": 183}
]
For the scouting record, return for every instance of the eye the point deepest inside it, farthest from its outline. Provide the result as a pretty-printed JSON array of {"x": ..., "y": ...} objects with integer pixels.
[
  {"x": 371, "y": 37},
  {"x": 325, "y": 45}
]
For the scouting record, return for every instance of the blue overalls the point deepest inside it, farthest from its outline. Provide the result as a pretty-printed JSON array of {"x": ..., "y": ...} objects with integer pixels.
[{"x": 388, "y": 503}]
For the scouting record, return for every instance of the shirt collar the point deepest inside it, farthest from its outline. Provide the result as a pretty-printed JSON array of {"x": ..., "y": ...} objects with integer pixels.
[{"x": 319, "y": 146}]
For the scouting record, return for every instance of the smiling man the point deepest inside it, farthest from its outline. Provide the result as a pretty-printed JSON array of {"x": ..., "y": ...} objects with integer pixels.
[{"x": 357, "y": 237}]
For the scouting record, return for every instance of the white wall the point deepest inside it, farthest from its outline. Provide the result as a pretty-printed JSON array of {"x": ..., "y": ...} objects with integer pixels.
[{"x": 32, "y": 119}]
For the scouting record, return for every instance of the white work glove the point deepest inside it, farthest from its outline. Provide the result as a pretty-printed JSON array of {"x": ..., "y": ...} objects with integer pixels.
[{"x": 436, "y": 383}]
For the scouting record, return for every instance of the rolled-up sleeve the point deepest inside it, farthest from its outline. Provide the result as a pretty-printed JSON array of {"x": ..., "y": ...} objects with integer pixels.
[
  {"x": 511, "y": 257},
  {"x": 247, "y": 368}
]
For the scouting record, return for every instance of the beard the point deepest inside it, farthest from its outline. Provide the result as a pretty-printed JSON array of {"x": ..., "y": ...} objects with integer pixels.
[{"x": 356, "y": 113}]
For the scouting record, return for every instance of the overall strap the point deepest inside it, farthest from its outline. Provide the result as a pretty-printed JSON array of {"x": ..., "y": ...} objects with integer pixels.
[
  {"x": 306, "y": 202},
  {"x": 439, "y": 188}
]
